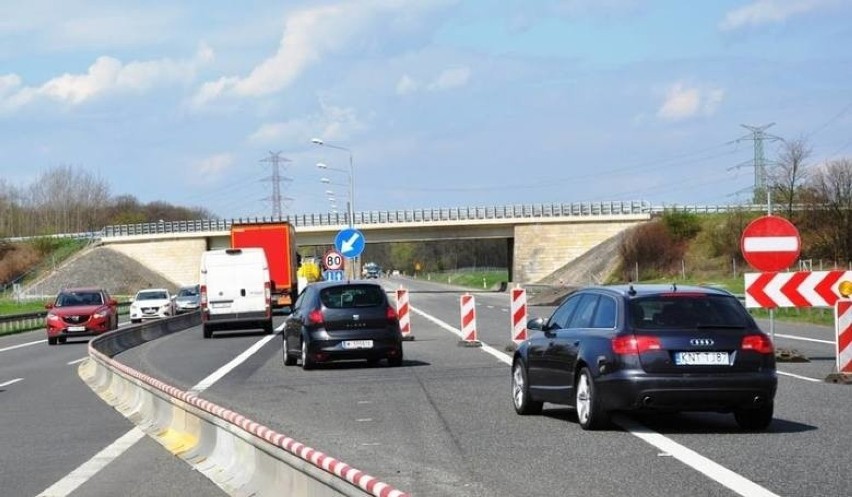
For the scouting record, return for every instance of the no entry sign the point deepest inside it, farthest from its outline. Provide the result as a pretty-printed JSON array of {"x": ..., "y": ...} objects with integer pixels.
[{"x": 770, "y": 243}]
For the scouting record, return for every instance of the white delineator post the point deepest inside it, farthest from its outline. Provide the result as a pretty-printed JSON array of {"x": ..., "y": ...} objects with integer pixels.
[
  {"x": 519, "y": 315},
  {"x": 402, "y": 312},
  {"x": 467, "y": 304}
]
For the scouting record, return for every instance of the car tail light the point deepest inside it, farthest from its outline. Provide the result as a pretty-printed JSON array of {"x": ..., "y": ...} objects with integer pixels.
[
  {"x": 267, "y": 295},
  {"x": 391, "y": 315},
  {"x": 203, "y": 292},
  {"x": 758, "y": 343},
  {"x": 635, "y": 344},
  {"x": 315, "y": 317}
]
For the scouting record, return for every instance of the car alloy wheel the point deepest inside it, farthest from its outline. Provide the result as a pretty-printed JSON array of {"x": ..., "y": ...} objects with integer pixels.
[
  {"x": 589, "y": 413},
  {"x": 307, "y": 363},
  {"x": 520, "y": 392}
]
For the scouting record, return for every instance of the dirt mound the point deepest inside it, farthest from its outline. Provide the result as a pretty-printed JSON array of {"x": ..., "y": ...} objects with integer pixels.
[{"x": 101, "y": 267}]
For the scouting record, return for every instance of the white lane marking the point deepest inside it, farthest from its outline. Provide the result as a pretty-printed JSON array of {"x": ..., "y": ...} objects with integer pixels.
[
  {"x": 90, "y": 468},
  {"x": 793, "y": 337},
  {"x": 485, "y": 347},
  {"x": 11, "y": 382},
  {"x": 709, "y": 468},
  {"x": 77, "y": 361},
  {"x": 13, "y": 347},
  {"x": 227, "y": 368},
  {"x": 798, "y": 376},
  {"x": 668, "y": 446}
]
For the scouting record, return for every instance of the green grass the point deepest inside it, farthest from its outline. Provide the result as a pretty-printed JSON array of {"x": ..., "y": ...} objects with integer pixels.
[
  {"x": 472, "y": 278},
  {"x": 8, "y": 306}
]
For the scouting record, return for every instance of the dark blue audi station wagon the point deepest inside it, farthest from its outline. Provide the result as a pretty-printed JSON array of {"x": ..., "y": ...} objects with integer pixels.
[{"x": 651, "y": 348}]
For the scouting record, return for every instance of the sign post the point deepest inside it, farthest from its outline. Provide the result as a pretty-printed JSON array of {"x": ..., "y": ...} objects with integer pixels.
[
  {"x": 770, "y": 244},
  {"x": 350, "y": 243}
]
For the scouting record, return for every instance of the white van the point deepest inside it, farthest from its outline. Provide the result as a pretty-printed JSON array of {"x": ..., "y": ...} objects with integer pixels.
[{"x": 235, "y": 290}]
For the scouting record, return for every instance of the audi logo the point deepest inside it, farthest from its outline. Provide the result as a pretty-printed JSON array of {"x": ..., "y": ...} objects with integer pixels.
[{"x": 701, "y": 341}]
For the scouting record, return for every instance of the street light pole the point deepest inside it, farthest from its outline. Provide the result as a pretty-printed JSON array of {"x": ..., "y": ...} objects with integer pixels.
[{"x": 322, "y": 143}]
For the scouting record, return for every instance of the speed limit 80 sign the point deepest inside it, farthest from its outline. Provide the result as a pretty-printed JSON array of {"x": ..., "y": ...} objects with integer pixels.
[{"x": 332, "y": 260}]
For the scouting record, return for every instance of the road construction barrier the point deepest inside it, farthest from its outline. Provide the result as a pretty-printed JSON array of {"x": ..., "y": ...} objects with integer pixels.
[
  {"x": 467, "y": 304},
  {"x": 241, "y": 456},
  {"x": 402, "y": 312},
  {"x": 843, "y": 325},
  {"x": 519, "y": 315}
]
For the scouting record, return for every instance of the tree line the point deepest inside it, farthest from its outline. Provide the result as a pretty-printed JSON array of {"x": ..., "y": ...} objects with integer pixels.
[{"x": 68, "y": 199}]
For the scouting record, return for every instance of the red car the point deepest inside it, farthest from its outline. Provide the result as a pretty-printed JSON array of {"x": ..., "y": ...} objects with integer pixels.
[{"x": 80, "y": 312}]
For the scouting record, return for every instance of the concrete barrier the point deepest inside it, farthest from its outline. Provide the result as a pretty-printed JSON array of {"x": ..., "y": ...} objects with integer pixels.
[{"x": 241, "y": 456}]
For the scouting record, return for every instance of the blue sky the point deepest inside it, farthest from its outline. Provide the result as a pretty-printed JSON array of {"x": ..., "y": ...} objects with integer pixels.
[{"x": 444, "y": 103}]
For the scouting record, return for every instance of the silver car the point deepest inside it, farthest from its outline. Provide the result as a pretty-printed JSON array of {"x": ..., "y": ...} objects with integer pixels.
[{"x": 188, "y": 299}]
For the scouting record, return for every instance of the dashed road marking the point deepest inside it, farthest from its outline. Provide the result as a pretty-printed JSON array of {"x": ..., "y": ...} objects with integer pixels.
[{"x": 10, "y": 382}]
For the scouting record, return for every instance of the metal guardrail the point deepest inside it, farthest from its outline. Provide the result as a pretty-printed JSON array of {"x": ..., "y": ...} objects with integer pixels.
[{"x": 14, "y": 323}]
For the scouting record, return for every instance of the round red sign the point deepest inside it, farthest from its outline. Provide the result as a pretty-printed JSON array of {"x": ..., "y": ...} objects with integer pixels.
[{"x": 770, "y": 243}]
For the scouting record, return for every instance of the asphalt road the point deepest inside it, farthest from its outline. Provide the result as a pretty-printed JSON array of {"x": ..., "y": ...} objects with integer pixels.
[
  {"x": 51, "y": 423},
  {"x": 442, "y": 424}
]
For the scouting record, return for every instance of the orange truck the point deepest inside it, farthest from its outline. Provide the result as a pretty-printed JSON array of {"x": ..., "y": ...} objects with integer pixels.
[{"x": 278, "y": 241}]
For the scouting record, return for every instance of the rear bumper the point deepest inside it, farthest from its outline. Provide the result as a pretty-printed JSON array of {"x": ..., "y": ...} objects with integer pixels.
[
  {"x": 686, "y": 393},
  {"x": 333, "y": 350}
]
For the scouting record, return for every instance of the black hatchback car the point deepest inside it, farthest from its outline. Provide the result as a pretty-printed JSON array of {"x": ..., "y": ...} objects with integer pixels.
[
  {"x": 647, "y": 347},
  {"x": 342, "y": 320}
]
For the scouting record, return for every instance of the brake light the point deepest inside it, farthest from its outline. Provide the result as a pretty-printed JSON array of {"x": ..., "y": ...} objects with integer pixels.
[
  {"x": 267, "y": 295},
  {"x": 390, "y": 314},
  {"x": 636, "y": 344},
  {"x": 315, "y": 317},
  {"x": 758, "y": 343},
  {"x": 203, "y": 291}
]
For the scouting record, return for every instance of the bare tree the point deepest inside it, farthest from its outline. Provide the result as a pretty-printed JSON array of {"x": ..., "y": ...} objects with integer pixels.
[
  {"x": 829, "y": 217},
  {"x": 791, "y": 173}
]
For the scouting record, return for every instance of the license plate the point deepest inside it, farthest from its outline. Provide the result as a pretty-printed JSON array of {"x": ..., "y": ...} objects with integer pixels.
[
  {"x": 702, "y": 359},
  {"x": 358, "y": 344},
  {"x": 219, "y": 305},
  {"x": 76, "y": 328}
]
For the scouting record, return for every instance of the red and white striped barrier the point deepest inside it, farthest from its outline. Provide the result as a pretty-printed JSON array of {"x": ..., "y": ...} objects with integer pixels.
[
  {"x": 843, "y": 324},
  {"x": 468, "y": 319},
  {"x": 519, "y": 315},
  {"x": 402, "y": 312}
]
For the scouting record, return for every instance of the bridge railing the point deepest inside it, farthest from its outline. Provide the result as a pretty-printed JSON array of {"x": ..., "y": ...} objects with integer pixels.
[
  {"x": 517, "y": 211},
  {"x": 395, "y": 217}
]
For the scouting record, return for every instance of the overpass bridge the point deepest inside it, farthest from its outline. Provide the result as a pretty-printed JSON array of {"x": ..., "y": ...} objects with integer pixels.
[{"x": 540, "y": 238}]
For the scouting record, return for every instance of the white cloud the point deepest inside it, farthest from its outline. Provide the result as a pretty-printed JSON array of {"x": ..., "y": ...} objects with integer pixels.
[
  {"x": 450, "y": 78},
  {"x": 107, "y": 75},
  {"x": 309, "y": 34},
  {"x": 332, "y": 124},
  {"x": 446, "y": 80},
  {"x": 406, "y": 85},
  {"x": 683, "y": 102},
  {"x": 209, "y": 169},
  {"x": 770, "y": 11}
]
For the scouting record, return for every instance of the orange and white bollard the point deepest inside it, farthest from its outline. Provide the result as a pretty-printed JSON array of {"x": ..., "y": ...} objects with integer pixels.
[
  {"x": 519, "y": 315},
  {"x": 402, "y": 312},
  {"x": 468, "y": 321}
]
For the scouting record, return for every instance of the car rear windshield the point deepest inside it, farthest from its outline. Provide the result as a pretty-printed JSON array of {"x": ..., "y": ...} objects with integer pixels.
[
  {"x": 682, "y": 310},
  {"x": 78, "y": 298},
  {"x": 188, "y": 292},
  {"x": 152, "y": 296},
  {"x": 341, "y": 297}
]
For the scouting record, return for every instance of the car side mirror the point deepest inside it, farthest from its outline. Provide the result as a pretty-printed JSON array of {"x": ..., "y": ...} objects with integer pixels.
[
  {"x": 49, "y": 305},
  {"x": 112, "y": 302},
  {"x": 535, "y": 324}
]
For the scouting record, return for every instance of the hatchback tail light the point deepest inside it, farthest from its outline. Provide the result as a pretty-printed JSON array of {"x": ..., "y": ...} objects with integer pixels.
[
  {"x": 315, "y": 317},
  {"x": 391, "y": 315},
  {"x": 758, "y": 343},
  {"x": 635, "y": 344}
]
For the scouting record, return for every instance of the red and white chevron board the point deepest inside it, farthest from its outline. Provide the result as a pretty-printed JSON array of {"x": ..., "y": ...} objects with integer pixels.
[
  {"x": 843, "y": 322},
  {"x": 796, "y": 289}
]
